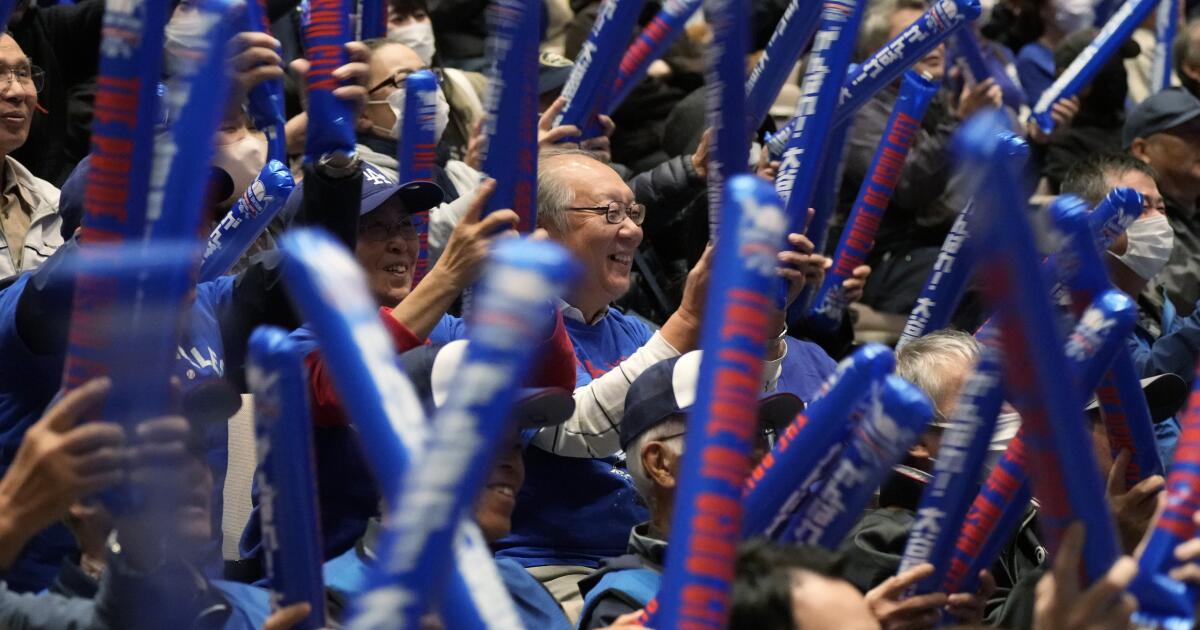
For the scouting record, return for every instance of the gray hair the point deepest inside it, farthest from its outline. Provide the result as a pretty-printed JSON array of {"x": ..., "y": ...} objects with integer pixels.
[
  {"x": 1185, "y": 54},
  {"x": 877, "y": 24},
  {"x": 642, "y": 482},
  {"x": 1088, "y": 178},
  {"x": 922, "y": 362},
  {"x": 554, "y": 196}
]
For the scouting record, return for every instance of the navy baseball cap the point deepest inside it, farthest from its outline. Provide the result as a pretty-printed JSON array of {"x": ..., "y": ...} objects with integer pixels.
[
  {"x": 669, "y": 387},
  {"x": 378, "y": 187},
  {"x": 433, "y": 370},
  {"x": 1165, "y": 396},
  {"x": 1160, "y": 112}
]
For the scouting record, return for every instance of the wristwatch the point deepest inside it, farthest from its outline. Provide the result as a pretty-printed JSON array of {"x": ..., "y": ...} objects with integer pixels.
[{"x": 338, "y": 164}]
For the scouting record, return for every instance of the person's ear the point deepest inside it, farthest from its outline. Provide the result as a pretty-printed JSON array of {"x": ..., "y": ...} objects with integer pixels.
[
  {"x": 1140, "y": 149},
  {"x": 660, "y": 464},
  {"x": 1191, "y": 70}
]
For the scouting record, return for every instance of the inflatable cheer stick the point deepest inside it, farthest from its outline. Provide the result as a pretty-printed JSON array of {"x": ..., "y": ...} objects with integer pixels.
[
  {"x": 663, "y": 29},
  {"x": 329, "y": 289},
  {"x": 725, "y": 101},
  {"x": 509, "y": 151},
  {"x": 179, "y": 180},
  {"x": 783, "y": 477},
  {"x": 960, "y": 457},
  {"x": 709, "y": 499},
  {"x": 1166, "y": 23},
  {"x": 1088, "y": 63},
  {"x": 1002, "y": 502},
  {"x": 793, "y": 32},
  {"x": 954, "y": 265},
  {"x": 942, "y": 19},
  {"x": 866, "y": 215},
  {"x": 264, "y": 103},
  {"x": 330, "y": 119},
  {"x": 116, "y": 189},
  {"x": 416, "y": 154},
  {"x": 889, "y": 62},
  {"x": 1122, "y": 403},
  {"x": 283, "y": 436},
  {"x": 596, "y": 64},
  {"x": 372, "y": 20},
  {"x": 823, "y": 76},
  {"x": 971, "y": 55},
  {"x": 876, "y": 444},
  {"x": 1067, "y": 481},
  {"x": 1175, "y": 526},
  {"x": 993, "y": 516},
  {"x": 246, "y": 220},
  {"x": 511, "y": 314}
]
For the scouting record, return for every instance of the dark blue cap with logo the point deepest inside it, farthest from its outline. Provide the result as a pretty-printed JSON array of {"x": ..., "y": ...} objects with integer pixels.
[{"x": 668, "y": 388}]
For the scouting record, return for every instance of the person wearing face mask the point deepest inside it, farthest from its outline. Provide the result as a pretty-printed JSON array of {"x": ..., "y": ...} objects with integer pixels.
[
  {"x": 1050, "y": 22},
  {"x": 1162, "y": 342},
  {"x": 409, "y": 24}
]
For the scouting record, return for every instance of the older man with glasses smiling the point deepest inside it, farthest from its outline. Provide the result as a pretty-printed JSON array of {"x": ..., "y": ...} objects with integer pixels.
[{"x": 28, "y": 205}]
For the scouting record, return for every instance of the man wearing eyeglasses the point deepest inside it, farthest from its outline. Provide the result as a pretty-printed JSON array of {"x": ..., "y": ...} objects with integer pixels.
[
  {"x": 28, "y": 205},
  {"x": 578, "y": 504}
]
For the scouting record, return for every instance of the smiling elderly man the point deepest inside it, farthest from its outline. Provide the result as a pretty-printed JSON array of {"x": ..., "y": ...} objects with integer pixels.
[
  {"x": 28, "y": 205},
  {"x": 578, "y": 503}
]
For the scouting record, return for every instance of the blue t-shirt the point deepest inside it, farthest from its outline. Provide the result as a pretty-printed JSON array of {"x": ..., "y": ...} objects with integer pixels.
[
  {"x": 805, "y": 369},
  {"x": 578, "y": 511},
  {"x": 349, "y": 575},
  {"x": 28, "y": 382},
  {"x": 1035, "y": 69}
]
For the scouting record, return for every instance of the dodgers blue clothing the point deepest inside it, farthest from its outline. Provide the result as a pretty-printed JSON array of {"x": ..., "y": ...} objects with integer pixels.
[
  {"x": 349, "y": 574},
  {"x": 1035, "y": 69},
  {"x": 346, "y": 490},
  {"x": 578, "y": 511},
  {"x": 1174, "y": 350},
  {"x": 804, "y": 370}
]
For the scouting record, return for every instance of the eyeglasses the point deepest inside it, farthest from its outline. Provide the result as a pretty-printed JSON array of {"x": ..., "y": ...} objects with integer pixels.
[
  {"x": 615, "y": 212},
  {"x": 27, "y": 76},
  {"x": 397, "y": 80},
  {"x": 379, "y": 232}
]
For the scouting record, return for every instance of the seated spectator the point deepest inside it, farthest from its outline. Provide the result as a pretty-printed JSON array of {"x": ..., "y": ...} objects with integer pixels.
[
  {"x": 789, "y": 588},
  {"x": 1162, "y": 342},
  {"x": 1049, "y": 22},
  {"x": 62, "y": 39},
  {"x": 652, "y": 434},
  {"x": 1096, "y": 127},
  {"x": 1186, "y": 54},
  {"x": 1164, "y": 132},
  {"x": 432, "y": 370},
  {"x": 925, "y": 201},
  {"x": 28, "y": 205}
]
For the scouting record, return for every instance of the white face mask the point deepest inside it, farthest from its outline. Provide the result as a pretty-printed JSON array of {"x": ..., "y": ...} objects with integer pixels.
[
  {"x": 395, "y": 100},
  {"x": 417, "y": 36},
  {"x": 1073, "y": 15},
  {"x": 1149, "y": 248}
]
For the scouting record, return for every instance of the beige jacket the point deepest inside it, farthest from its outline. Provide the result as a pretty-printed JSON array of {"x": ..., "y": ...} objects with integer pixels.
[{"x": 44, "y": 237}]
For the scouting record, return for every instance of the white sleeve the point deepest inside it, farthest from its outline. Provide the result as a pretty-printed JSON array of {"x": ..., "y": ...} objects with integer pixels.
[
  {"x": 599, "y": 406},
  {"x": 592, "y": 430}
]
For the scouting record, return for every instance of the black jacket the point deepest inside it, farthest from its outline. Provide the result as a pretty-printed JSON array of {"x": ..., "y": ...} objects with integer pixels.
[{"x": 63, "y": 40}]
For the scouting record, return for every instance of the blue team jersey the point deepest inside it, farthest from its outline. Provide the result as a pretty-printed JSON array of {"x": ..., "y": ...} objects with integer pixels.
[{"x": 578, "y": 511}]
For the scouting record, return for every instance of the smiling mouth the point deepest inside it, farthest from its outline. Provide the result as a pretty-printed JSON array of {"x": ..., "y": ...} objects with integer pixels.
[
  {"x": 623, "y": 259},
  {"x": 397, "y": 270},
  {"x": 503, "y": 489}
]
